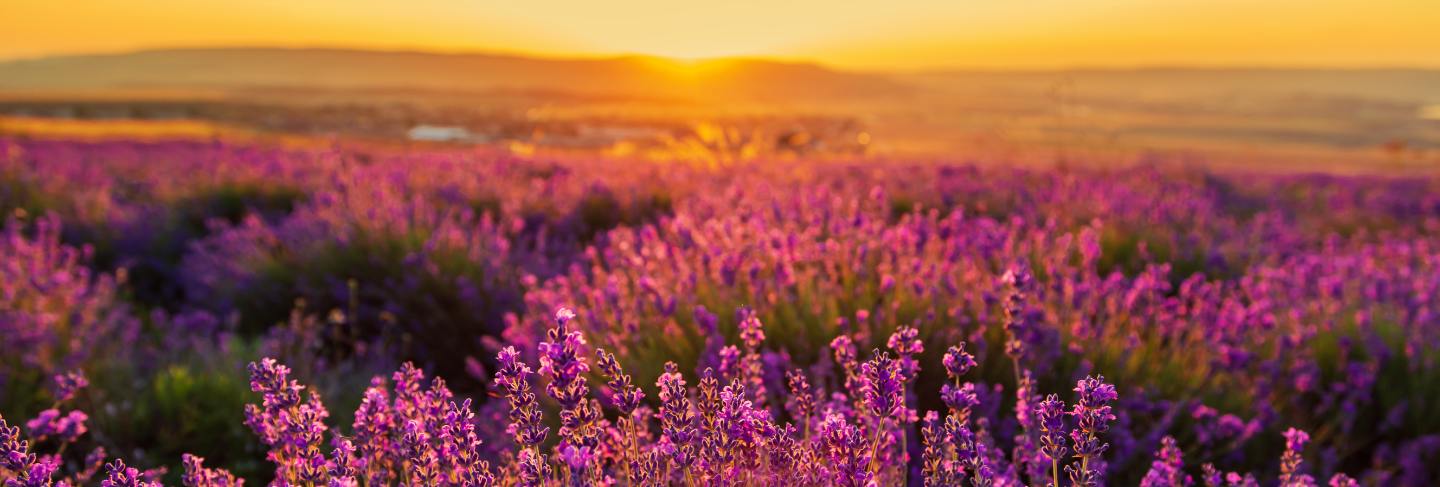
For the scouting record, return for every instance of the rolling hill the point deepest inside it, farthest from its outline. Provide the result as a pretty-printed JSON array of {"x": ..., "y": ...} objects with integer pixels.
[{"x": 339, "y": 69}]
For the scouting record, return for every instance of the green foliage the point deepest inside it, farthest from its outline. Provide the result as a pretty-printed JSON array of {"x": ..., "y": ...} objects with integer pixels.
[{"x": 187, "y": 409}]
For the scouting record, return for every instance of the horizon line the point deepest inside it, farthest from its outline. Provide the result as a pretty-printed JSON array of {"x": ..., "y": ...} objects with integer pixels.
[{"x": 783, "y": 59}]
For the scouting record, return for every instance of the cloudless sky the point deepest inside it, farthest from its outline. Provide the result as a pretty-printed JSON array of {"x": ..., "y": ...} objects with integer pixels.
[{"x": 908, "y": 34}]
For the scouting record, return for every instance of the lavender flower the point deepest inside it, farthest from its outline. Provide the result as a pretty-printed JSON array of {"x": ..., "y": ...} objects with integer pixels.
[
  {"x": 970, "y": 452},
  {"x": 373, "y": 427},
  {"x": 119, "y": 475},
  {"x": 1168, "y": 468},
  {"x": 1050, "y": 416},
  {"x": 1290, "y": 475},
  {"x": 68, "y": 384},
  {"x": 513, "y": 380},
  {"x": 625, "y": 396},
  {"x": 906, "y": 344},
  {"x": 1092, "y": 418},
  {"x": 844, "y": 349},
  {"x": 341, "y": 466},
  {"x": 676, "y": 417},
  {"x": 937, "y": 465},
  {"x": 730, "y": 362},
  {"x": 419, "y": 455},
  {"x": 1027, "y": 454},
  {"x": 847, "y": 452},
  {"x": 560, "y": 358},
  {"x": 197, "y": 475},
  {"x": 15, "y": 456},
  {"x": 752, "y": 333},
  {"x": 957, "y": 361},
  {"x": 50, "y": 423},
  {"x": 533, "y": 468},
  {"x": 293, "y": 430},
  {"x": 802, "y": 400},
  {"x": 884, "y": 387},
  {"x": 740, "y": 430},
  {"x": 1017, "y": 326},
  {"x": 960, "y": 399},
  {"x": 459, "y": 448},
  {"x": 1342, "y": 480}
]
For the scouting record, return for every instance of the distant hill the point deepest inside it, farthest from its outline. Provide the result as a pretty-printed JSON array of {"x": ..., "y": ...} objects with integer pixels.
[{"x": 275, "y": 68}]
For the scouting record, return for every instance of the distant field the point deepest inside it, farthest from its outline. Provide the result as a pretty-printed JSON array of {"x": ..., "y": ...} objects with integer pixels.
[{"x": 1358, "y": 120}]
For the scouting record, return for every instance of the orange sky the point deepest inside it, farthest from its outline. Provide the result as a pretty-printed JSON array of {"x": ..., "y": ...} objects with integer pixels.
[{"x": 907, "y": 34}]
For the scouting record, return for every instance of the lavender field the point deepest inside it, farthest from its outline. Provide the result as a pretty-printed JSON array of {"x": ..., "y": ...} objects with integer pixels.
[{"x": 198, "y": 312}]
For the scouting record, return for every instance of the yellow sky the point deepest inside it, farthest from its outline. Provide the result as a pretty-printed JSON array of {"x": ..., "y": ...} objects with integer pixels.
[{"x": 905, "y": 34}]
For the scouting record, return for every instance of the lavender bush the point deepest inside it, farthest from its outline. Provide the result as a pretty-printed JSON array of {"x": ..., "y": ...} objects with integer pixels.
[
  {"x": 56, "y": 314},
  {"x": 410, "y": 432}
]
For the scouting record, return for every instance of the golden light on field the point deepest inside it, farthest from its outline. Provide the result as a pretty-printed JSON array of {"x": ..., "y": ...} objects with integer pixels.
[
  {"x": 142, "y": 130},
  {"x": 899, "y": 34},
  {"x": 110, "y": 129}
]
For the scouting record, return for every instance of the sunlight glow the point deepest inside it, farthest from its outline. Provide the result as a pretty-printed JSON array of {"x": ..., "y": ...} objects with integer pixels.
[{"x": 903, "y": 34}]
